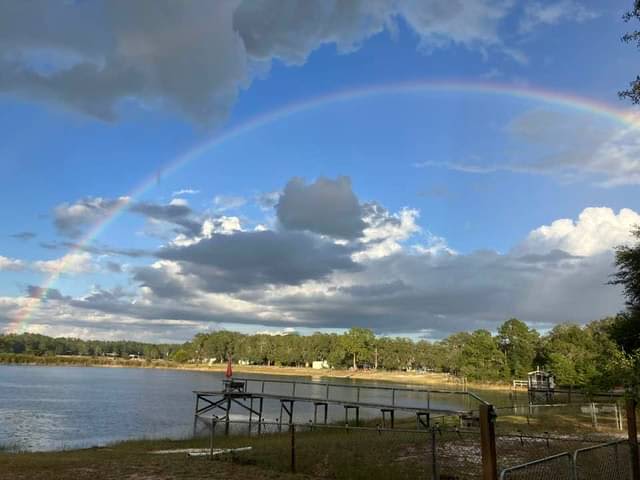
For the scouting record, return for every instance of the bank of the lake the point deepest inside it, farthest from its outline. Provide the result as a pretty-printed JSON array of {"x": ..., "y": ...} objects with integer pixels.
[{"x": 428, "y": 378}]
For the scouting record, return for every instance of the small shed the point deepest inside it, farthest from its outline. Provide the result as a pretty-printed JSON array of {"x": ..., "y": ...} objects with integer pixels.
[
  {"x": 319, "y": 364},
  {"x": 541, "y": 386}
]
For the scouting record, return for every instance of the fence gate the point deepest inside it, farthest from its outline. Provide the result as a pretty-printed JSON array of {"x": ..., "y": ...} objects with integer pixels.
[{"x": 606, "y": 461}]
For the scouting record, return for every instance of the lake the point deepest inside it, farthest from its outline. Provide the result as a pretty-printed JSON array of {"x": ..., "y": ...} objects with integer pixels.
[{"x": 54, "y": 408}]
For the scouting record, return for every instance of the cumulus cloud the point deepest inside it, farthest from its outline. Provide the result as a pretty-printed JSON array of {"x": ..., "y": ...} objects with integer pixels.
[
  {"x": 259, "y": 258},
  {"x": 360, "y": 264},
  {"x": 327, "y": 207},
  {"x": 72, "y": 263},
  {"x": 553, "y": 13},
  {"x": 71, "y": 219},
  {"x": 596, "y": 230},
  {"x": 164, "y": 279},
  {"x": 196, "y": 57},
  {"x": 11, "y": 264},
  {"x": 385, "y": 231}
]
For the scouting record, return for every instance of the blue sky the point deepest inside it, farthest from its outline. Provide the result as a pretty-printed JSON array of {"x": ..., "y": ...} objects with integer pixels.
[{"x": 461, "y": 207}]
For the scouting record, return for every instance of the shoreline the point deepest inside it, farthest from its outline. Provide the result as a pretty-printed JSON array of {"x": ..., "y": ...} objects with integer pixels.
[{"x": 375, "y": 375}]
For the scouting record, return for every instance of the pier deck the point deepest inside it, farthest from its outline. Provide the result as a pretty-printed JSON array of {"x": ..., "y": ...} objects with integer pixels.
[{"x": 250, "y": 394}]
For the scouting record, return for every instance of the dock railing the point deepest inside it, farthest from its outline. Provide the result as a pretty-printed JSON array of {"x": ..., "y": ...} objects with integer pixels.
[{"x": 262, "y": 384}]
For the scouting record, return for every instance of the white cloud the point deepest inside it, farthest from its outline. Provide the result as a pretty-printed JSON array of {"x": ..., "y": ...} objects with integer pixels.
[
  {"x": 72, "y": 263},
  {"x": 185, "y": 191},
  {"x": 11, "y": 264},
  {"x": 597, "y": 230},
  {"x": 386, "y": 231},
  {"x": 223, "y": 224},
  {"x": 180, "y": 202},
  {"x": 228, "y": 202},
  {"x": 537, "y": 14}
]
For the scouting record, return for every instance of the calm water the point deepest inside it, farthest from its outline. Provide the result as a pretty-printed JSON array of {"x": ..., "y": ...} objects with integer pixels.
[{"x": 52, "y": 408}]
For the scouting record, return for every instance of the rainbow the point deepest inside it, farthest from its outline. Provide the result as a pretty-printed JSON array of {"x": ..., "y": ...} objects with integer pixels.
[{"x": 561, "y": 99}]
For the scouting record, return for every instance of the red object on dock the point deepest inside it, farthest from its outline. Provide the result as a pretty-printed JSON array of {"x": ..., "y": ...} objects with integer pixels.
[{"x": 229, "y": 372}]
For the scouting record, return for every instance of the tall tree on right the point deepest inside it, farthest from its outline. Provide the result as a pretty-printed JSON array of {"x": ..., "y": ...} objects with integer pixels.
[
  {"x": 633, "y": 92},
  {"x": 625, "y": 330}
]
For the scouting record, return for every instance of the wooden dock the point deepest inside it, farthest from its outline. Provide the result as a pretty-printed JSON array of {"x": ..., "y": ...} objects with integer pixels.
[{"x": 248, "y": 396}]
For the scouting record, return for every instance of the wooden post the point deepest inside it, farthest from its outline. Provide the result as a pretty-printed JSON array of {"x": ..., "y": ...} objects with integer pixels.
[
  {"x": 488, "y": 442},
  {"x": 211, "y": 434},
  {"x": 226, "y": 425},
  {"x": 633, "y": 438},
  {"x": 195, "y": 415},
  {"x": 434, "y": 456},
  {"x": 292, "y": 429}
]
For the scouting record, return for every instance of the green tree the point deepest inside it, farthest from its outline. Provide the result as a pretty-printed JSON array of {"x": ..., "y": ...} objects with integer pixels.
[
  {"x": 633, "y": 92},
  {"x": 625, "y": 330},
  {"x": 358, "y": 342},
  {"x": 520, "y": 344},
  {"x": 481, "y": 357}
]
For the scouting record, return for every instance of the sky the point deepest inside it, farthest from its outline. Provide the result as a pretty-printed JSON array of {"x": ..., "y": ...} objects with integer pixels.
[{"x": 418, "y": 168}]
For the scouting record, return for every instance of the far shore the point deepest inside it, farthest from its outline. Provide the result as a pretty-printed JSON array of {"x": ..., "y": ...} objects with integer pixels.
[{"x": 430, "y": 378}]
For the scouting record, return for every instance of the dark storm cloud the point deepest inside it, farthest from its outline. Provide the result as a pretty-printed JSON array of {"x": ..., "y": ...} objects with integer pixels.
[
  {"x": 328, "y": 207},
  {"x": 177, "y": 214},
  {"x": 72, "y": 219},
  {"x": 400, "y": 293},
  {"x": 114, "y": 267},
  {"x": 26, "y": 236},
  {"x": 160, "y": 282},
  {"x": 247, "y": 259},
  {"x": 448, "y": 293},
  {"x": 34, "y": 291}
]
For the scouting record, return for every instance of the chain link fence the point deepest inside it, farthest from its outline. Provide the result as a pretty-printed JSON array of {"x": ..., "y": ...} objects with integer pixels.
[
  {"x": 444, "y": 450},
  {"x": 349, "y": 452},
  {"x": 555, "y": 467},
  {"x": 605, "y": 461}
]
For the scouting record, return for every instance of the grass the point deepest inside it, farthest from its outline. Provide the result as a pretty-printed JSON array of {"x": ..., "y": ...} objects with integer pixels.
[
  {"x": 321, "y": 452},
  {"x": 128, "y": 460}
]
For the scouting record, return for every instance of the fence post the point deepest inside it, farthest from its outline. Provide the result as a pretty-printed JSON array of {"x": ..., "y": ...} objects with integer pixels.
[
  {"x": 632, "y": 429},
  {"x": 211, "y": 435},
  {"x": 488, "y": 442},
  {"x": 434, "y": 456},
  {"x": 292, "y": 429}
]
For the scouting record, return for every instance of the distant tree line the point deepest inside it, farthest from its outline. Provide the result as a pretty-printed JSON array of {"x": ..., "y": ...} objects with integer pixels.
[
  {"x": 42, "y": 345},
  {"x": 577, "y": 355}
]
